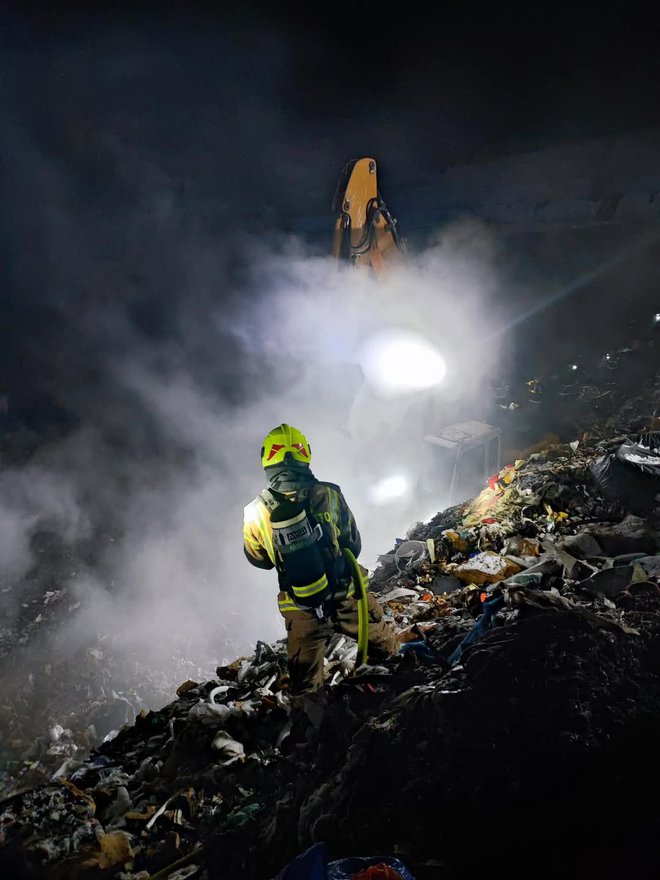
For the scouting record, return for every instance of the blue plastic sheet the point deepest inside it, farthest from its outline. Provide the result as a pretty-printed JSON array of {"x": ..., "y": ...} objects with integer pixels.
[
  {"x": 310, "y": 865},
  {"x": 419, "y": 647},
  {"x": 345, "y": 869},
  {"x": 313, "y": 865},
  {"x": 482, "y": 625}
]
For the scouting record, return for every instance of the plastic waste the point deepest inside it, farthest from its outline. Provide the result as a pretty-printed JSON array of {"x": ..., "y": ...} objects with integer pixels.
[
  {"x": 408, "y": 553},
  {"x": 309, "y": 865},
  {"x": 419, "y": 647},
  {"x": 227, "y": 747},
  {"x": 631, "y": 475},
  {"x": 642, "y": 452},
  {"x": 378, "y": 872},
  {"x": 313, "y": 865},
  {"x": 369, "y": 868},
  {"x": 490, "y": 609},
  {"x": 241, "y": 817}
]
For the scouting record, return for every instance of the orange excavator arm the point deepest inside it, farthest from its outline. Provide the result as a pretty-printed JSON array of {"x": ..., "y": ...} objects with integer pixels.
[{"x": 365, "y": 231}]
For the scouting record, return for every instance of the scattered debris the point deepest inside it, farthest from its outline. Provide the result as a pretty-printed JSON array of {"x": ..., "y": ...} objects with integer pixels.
[{"x": 526, "y": 693}]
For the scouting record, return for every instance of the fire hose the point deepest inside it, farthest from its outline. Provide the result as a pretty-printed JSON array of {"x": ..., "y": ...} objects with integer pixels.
[{"x": 360, "y": 588}]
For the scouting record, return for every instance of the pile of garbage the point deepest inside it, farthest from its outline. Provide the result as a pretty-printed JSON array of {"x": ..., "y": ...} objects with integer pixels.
[
  {"x": 587, "y": 392},
  {"x": 517, "y": 718},
  {"x": 62, "y": 696}
]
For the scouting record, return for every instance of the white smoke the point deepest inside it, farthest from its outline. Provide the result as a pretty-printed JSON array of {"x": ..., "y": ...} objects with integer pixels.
[
  {"x": 176, "y": 350},
  {"x": 177, "y": 572}
]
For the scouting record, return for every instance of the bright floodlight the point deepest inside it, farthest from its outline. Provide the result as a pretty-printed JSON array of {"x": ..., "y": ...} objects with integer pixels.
[
  {"x": 396, "y": 361},
  {"x": 389, "y": 489},
  {"x": 656, "y": 318}
]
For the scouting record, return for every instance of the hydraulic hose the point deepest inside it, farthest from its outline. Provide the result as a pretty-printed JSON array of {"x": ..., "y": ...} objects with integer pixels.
[{"x": 360, "y": 588}]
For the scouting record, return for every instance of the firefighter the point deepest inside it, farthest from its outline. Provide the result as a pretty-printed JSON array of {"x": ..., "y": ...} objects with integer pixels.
[{"x": 300, "y": 526}]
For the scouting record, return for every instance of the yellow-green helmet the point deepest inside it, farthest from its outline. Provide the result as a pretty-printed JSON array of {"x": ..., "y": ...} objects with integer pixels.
[{"x": 282, "y": 440}]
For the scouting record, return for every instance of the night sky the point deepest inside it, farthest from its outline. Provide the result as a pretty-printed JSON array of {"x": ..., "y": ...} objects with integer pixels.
[
  {"x": 241, "y": 118},
  {"x": 428, "y": 89}
]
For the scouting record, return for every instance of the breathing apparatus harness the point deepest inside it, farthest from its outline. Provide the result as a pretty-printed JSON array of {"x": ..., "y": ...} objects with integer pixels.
[{"x": 298, "y": 543}]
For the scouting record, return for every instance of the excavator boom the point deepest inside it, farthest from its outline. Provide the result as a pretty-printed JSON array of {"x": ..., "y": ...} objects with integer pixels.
[{"x": 365, "y": 231}]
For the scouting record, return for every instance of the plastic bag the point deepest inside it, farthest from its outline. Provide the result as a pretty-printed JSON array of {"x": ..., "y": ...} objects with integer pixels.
[
  {"x": 642, "y": 452},
  {"x": 310, "y": 865},
  {"x": 622, "y": 481},
  {"x": 313, "y": 865},
  {"x": 346, "y": 869}
]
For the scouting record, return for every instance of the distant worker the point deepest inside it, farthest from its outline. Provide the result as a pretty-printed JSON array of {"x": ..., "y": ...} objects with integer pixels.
[{"x": 301, "y": 526}]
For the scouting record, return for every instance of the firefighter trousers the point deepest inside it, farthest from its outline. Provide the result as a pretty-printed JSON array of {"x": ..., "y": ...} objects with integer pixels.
[{"x": 307, "y": 639}]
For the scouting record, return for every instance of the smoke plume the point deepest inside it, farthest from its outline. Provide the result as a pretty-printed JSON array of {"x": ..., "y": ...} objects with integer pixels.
[{"x": 154, "y": 341}]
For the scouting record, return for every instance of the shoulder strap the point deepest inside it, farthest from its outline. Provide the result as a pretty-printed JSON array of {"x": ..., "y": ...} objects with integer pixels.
[
  {"x": 270, "y": 499},
  {"x": 273, "y": 499}
]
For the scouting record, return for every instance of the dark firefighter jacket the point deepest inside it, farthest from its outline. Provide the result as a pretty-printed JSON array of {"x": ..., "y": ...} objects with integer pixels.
[{"x": 326, "y": 503}]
